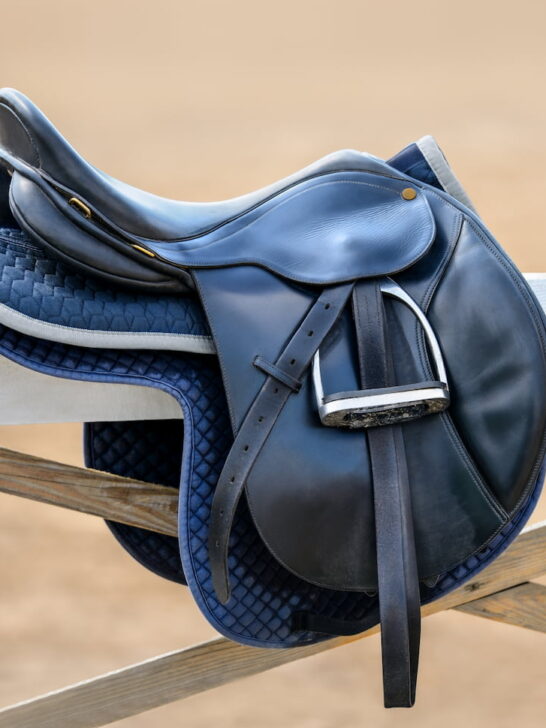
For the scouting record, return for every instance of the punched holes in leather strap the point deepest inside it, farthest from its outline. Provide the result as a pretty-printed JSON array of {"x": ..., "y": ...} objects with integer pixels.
[
  {"x": 277, "y": 373},
  {"x": 258, "y": 423}
]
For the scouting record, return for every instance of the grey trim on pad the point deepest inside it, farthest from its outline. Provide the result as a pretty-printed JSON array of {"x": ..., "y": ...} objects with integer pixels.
[
  {"x": 446, "y": 177},
  {"x": 193, "y": 343}
]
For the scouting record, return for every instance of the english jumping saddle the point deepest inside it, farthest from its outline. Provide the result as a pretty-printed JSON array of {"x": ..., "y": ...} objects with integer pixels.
[{"x": 371, "y": 432}]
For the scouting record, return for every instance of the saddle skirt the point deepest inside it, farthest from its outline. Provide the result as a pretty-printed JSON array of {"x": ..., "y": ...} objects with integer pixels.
[{"x": 372, "y": 430}]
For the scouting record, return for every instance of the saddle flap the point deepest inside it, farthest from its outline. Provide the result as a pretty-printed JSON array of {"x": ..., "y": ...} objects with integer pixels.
[
  {"x": 328, "y": 229},
  {"x": 310, "y": 489}
]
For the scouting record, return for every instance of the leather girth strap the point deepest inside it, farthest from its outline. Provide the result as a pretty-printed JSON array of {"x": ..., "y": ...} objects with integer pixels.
[
  {"x": 283, "y": 379},
  {"x": 398, "y": 583}
]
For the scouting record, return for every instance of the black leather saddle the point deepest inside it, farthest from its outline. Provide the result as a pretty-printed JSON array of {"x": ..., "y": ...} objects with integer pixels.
[{"x": 383, "y": 367}]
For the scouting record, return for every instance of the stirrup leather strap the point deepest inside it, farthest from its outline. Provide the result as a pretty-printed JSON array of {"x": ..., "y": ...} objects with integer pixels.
[{"x": 399, "y": 602}]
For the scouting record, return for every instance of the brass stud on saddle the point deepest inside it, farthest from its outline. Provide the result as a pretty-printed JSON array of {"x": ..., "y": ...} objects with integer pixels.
[
  {"x": 408, "y": 193},
  {"x": 145, "y": 251},
  {"x": 80, "y": 206}
]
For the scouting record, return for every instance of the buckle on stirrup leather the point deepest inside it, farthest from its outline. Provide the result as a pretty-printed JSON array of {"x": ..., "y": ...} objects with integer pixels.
[{"x": 390, "y": 405}]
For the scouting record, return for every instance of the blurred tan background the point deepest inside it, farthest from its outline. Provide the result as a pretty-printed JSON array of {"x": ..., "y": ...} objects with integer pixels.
[{"x": 207, "y": 100}]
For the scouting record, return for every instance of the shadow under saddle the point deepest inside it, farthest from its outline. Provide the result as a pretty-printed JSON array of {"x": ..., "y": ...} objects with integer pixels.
[{"x": 370, "y": 432}]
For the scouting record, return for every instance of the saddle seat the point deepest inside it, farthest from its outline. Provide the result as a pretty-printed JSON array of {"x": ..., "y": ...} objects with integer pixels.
[
  {"x": 31, "y": 138},
  {"x": 132, "y": 237}
]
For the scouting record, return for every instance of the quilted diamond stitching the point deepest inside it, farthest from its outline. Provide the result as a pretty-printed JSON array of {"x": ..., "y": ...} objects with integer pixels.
[
  {"x": 40, "y": 286},
  {"x": 150, "y": 451}
]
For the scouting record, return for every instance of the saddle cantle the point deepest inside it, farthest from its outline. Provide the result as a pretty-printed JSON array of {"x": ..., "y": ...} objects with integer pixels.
[{"x": 379, "y": 432}]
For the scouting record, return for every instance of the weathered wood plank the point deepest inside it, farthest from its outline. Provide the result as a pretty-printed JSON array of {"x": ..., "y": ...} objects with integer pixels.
[
  {"x": 180, "y": 674},
  {"x": 523, "y": 606},
  {"x": 133, "y": 502}
]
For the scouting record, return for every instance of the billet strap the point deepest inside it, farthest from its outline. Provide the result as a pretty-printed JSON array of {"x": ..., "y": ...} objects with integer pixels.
[
  {"x": 398, "y": 583},
  {"x": 282, "y": 379}
]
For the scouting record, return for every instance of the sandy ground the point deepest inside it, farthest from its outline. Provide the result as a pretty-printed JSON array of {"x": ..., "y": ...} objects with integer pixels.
[{"x": 208, "y": 100}]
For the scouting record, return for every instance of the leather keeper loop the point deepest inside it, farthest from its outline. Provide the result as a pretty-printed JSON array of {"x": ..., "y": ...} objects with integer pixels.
[{"x": 274, "y": 371}]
